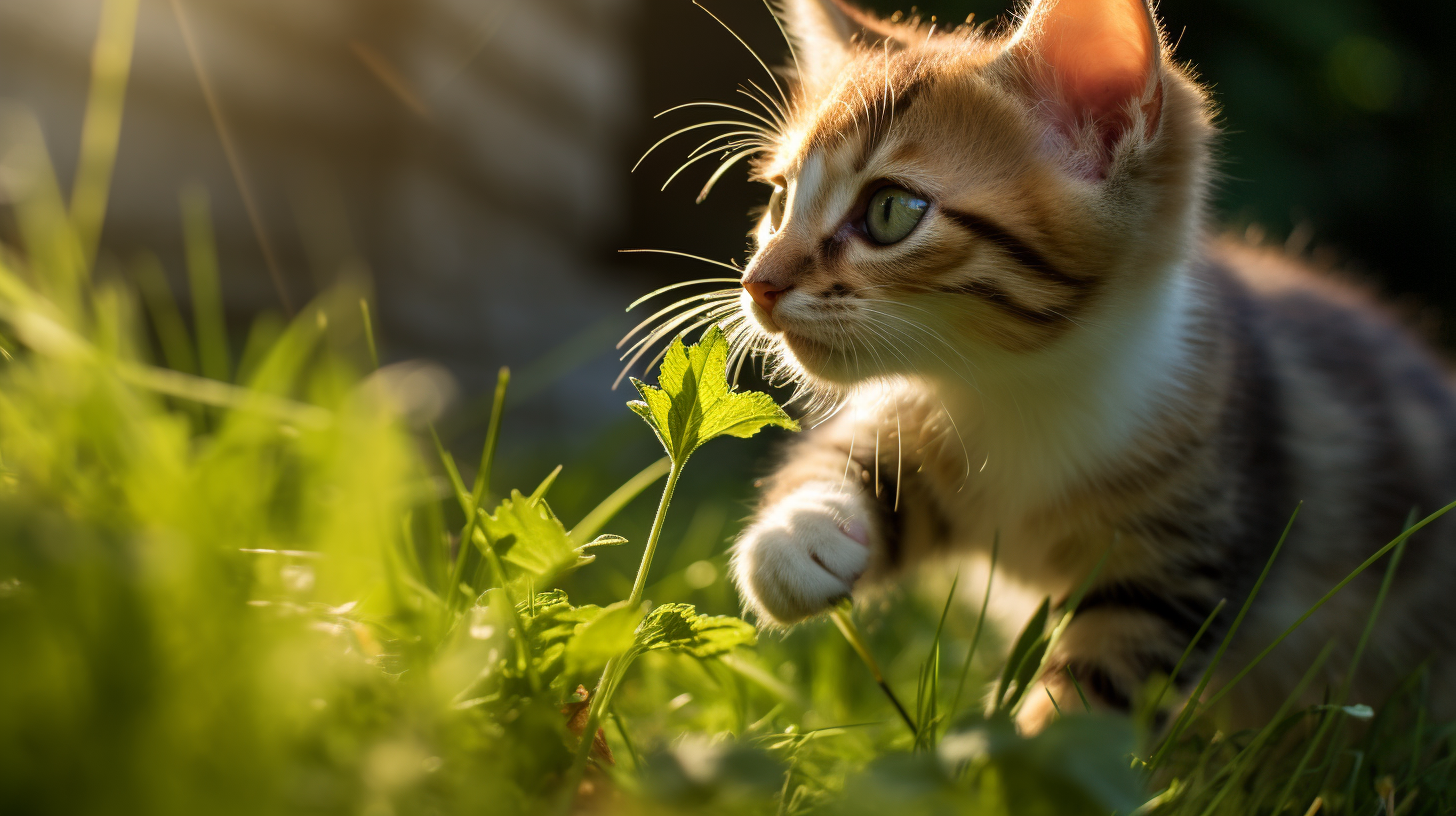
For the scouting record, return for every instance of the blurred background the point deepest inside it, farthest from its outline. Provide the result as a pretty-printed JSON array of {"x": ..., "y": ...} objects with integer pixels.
[{"x": 470, "y": 158}]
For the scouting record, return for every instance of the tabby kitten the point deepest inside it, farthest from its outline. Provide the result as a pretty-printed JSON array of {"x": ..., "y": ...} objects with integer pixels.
[{"x": 991, "y": 250}]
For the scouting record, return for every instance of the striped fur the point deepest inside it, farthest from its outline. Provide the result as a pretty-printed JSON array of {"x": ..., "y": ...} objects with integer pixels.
[{"x": 1059, "y": 355}]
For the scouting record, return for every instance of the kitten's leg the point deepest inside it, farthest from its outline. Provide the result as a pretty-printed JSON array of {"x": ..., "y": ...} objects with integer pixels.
[
  {"x": 820, "y": 527},
  {"x": 1124, "y": 633}
]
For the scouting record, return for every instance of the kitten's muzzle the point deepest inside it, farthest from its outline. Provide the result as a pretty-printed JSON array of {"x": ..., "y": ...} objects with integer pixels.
[{"x": 765, "y": 293}]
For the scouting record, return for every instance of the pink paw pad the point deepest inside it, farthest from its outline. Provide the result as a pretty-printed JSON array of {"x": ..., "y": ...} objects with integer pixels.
[{"x": 856, "y": 530}]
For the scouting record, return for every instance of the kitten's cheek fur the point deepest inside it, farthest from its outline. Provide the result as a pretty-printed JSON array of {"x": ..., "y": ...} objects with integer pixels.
[{"x": 805, "y": 552}]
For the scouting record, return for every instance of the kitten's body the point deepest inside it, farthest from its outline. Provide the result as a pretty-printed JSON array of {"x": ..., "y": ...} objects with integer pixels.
[{"x": 1056, "y": 355}]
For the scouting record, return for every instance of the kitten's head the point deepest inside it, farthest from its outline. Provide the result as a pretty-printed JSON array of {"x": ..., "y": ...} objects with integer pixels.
[{"x": 944, "y": 199}]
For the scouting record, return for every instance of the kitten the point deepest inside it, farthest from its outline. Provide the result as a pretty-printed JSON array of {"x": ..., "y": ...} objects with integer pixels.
[{"x": 992, "y": 249}]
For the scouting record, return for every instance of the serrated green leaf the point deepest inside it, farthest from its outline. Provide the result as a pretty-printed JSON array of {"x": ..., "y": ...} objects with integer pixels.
[
  {"x": 550, "y": 621},
  {"x": 530, "y": 537},
  {"x": 678, "y": 627},
  {"x": 602, "y": 638},
  {"x": 694, "y": 402}
]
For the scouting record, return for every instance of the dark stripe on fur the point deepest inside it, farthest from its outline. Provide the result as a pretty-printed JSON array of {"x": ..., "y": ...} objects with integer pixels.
[
  {"x": 1251, "y": 433},
  {"x": 996, "y": 296},
  {"x": 1095, "y": 681},
  {"x": 1183, "y": 615},
  {"x": 1019, "y": 250}
]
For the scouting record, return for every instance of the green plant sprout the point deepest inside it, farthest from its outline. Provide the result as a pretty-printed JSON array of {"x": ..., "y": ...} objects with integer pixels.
[{"x": 692, "y": 405}]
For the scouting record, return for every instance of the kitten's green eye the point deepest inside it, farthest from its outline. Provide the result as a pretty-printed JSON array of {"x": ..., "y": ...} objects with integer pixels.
[
  {"x": 893, "y": 214},
  {"x": 776, "y": 208}
]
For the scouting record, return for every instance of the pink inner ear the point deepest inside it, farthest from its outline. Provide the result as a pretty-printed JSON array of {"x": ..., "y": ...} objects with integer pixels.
[
  {"x": 1101, "y": 52},
  {"x": 1101, "y": 55}
]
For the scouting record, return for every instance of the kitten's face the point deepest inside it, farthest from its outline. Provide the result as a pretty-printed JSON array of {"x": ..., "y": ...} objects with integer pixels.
[{"x": 930, "y": 209}]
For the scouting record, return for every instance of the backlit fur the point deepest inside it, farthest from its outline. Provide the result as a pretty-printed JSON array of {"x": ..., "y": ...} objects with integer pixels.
[{"x": 1060, "y": 356}]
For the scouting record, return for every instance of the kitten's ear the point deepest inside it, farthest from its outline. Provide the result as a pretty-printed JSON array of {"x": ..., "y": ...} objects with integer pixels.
[
  {"x": 1099, "y": 65},
  {"x": 823, "y": 32}
]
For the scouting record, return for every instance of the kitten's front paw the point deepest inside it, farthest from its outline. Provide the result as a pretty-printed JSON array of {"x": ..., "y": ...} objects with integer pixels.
[{"x": 804, "y": 553}]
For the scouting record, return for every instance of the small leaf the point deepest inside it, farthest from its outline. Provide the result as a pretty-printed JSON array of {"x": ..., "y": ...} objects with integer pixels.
[
  {"x": 540, "y": 491},
  {"x": 1031, "y": 641},
  {"x": 550, "y": 622},
  {"x": 532, "y": 538},
  {"x": 678, "y": 627},
  {"x": 694, "y": 403},
  {"x": 605, "y": 540},
  {"x": 603, "y": 638}
]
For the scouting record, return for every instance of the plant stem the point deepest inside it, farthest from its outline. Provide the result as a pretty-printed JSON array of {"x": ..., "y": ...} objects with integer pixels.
[
  {"x": 602, "y": 697},
  {"x": 847, "y": 628},
  {"x": 640, "y": 584}
]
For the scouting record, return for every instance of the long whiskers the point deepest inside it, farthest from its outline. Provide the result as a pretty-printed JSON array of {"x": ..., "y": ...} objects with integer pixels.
[
  {"x": 721, "y": 294},
  {"x": 712, "y": 103},
  {"x": 777, "y": 111},
  {"x": 723, "y": 168},
  {"x": 723, "y": 264},
  {"x": 715, "y": 310},
  {"x": 741, "y": 41},
  {"x": 720, "y": 303},
  {"x": 694, "y": 160}
]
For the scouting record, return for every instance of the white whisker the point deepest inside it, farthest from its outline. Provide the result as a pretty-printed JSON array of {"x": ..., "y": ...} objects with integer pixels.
[
  {"x": 740, "y": 40},
  {"x": 723, "y": 168},
  {"x": 723, "y": 264},
  {"x": 718, "y": 295},
  {"x": 713, "y": 103},
  {"x": 689, "y": 129}
]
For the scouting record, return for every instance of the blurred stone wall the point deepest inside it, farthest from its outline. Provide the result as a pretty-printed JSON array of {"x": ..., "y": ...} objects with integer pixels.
[{"x": 464, "y": 153}]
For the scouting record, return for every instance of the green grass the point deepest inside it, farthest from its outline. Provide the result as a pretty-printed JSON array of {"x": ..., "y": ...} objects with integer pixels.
[{"x": 236, "y": 584}]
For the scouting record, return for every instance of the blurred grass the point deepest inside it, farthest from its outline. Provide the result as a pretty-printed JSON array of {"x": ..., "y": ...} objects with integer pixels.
[{"x": 225, "y": 588}]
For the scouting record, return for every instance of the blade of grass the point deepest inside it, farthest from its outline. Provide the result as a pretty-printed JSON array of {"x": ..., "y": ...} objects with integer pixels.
[
  {"x": 167, "y": 322},
  {"x": 1380, "y": 553},
  {"x": 1235, "y": 770},
  {"x": 841, "y": 617},
  {"x": 955, "y": 705},
  {"x": 1192, "y": 644},
  {"x": 545, "y": 485},
  {"x": 592, "y": 523},
  {"x": 101, "y": 128},
  {"x": 482, "y": 480},
  {"x": 234, "y": 159},
  {"x": 369, "y": 334},
  {"x": 202, "y": 278},
  {"x": 1078, "y": 686},
  {"x": 1032, "y": 640},
  {"x": 927, "y": 710},
  {"x": 1334, "y": 714},
  {"x": 1189, "y": 708},
  {"x": 626, "y": 738},
  {"x": 1030, "y": 670},
  {"x": 223, "y": 395},
  {"x": 451, "y": 471}
]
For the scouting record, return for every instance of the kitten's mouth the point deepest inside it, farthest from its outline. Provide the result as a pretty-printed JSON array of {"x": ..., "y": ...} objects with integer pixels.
[
  {"x": 818, "y": 358},
  {"x": 804, "y": 347}
]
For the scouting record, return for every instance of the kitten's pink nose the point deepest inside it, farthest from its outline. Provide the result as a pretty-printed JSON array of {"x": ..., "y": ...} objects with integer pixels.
[{"x": 765, "y": 294}]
